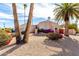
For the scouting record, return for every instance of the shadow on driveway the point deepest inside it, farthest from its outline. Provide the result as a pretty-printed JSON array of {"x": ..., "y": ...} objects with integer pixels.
[{"x": 69, "y": 46}]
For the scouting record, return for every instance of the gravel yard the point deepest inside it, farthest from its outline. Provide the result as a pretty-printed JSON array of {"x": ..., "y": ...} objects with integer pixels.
[{"x": 40, "y": 46}]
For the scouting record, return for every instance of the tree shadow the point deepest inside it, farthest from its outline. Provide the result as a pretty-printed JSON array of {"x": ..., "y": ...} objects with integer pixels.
[
  {"x": 11, "y": 49},
  {"x": 69, "y": 46},
  {"x": 40, "y": 34},
  {"x": 6, "y": 46}
]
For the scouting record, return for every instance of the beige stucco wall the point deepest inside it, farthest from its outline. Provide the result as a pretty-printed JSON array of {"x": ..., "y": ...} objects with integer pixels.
[{"x": 48, "y": 25}]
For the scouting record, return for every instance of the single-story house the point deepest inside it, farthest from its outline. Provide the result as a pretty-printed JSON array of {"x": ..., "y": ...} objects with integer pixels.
[
  {"x": 42, "y": 25},
  {"x": 47, "y": 25}
]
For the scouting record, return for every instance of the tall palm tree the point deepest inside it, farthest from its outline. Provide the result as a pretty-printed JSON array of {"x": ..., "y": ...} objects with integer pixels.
[
  {"x": 24, "y": 11},
  {"x": 4, "y": 24},
  {"x": 66, "y": 11},
  {"x": 28, "y": 25},
  {"x": 76, "y": 22},
  {"x": 16, "y": 24},
  {"x": 49, "y": 22}
]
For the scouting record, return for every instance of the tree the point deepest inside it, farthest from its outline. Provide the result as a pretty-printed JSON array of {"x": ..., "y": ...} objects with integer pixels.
[
  {"x": 16, "y": 24},
  {"x": 24, "y": 11},
  {"x": 28, "y": 25},
  {"x": 66, "y": 11},
  {"x": 49, "y": 18}
]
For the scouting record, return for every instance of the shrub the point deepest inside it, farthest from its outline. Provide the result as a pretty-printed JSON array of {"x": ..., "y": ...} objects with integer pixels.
[
  {"x": 72, "y": 26},
  {"x": 4, "y": 37},
  {"x": 54, "y": 36},
  {"x": 9, "y": 30},
  {"x": 22, "y": 32},
  {"x": 45, "y": 30},
  {"x": 77, "y": 30},
  {"x": 40, "y": 30}
]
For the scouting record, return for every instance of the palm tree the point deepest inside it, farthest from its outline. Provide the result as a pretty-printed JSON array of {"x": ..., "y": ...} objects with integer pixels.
[
  {"x": 16, "y": 24},
  {"x": 4, "y": 25},
  {"x": 28, "y": 25},
  {"x": 76, "y": 22},
  {"x": 49, "y": 22},
  {"x": 66, "y": 11},
  {"x": 24, "y": 11}
]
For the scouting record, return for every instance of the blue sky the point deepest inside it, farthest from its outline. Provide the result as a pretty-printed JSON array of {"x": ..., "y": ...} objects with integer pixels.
[{"x": 41, "y": 12}]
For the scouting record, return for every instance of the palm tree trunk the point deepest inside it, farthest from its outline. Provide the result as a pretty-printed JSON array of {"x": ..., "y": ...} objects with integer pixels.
[
  {"x": 76, "y": 22},
  {"x": 24, "y": 13},
  {"x": 66, "y": 20},
  {"x": 16, "y": 24},
  {"x": 66, "y": 28},
  {"x": 28, "y": 25}
]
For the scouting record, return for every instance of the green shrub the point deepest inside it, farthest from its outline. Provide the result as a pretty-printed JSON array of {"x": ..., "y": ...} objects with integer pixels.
[
  {"x": 77, "y": 30},
  {"x": 54, "y": 36},
  {"x": 72, "y": 26},
  {"x": 9, "y": 30},
  {"x": 4, "y": 37},
  {"x": 40, "y": 30}
]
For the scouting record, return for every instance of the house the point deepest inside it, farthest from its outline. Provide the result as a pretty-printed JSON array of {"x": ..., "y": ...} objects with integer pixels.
[
  {"x": 42, "y": 25},
  {"x": 47, "y": 25}
]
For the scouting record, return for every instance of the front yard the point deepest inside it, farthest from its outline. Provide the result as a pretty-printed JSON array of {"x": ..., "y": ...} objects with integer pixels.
[{"x": 40, "y": 46}]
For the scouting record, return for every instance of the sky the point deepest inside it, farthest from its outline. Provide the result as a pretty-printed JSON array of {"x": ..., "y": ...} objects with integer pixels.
[{"x": 41, "y": 13}]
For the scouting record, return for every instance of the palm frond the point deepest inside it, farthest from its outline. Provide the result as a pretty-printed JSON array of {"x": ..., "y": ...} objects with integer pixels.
[
  {"x": 62, "y": 9},
  {"x": 25, "y": 5}
]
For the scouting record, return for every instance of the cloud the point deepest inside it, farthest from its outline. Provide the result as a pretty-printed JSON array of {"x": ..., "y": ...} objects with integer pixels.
[
  {"x": 20, "y": 9},
  {"x": 43, "y": 10},
  {"x": 6, "y": 16},
  {"x": 4, "y": 21},
  {"x": 20, "y": 12},
  {"x": 40, "y": 10},
  {"x": 8, "y": 4}
]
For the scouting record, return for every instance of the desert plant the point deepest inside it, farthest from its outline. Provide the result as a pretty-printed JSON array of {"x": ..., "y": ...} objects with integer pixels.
[
  {"x": 4, "y": 37},
  {"x": 8, "y": 30},
  {"x": 54, "y": 36},
  {"x": 72, "y": 26}
]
